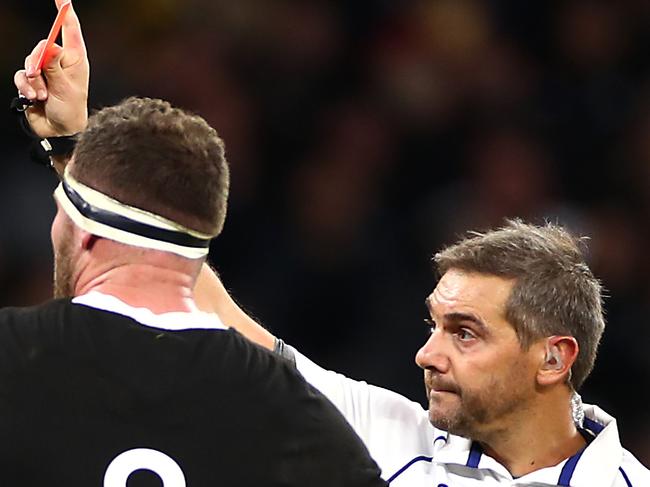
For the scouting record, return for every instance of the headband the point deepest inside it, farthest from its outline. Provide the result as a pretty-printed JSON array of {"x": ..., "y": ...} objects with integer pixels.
[{"x": 106, "y": 217}]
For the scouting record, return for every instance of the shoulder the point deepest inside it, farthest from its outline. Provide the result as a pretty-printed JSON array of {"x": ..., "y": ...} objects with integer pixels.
[
  {"x": 12, "y": 314},
  {"x": 49, "y": 330},
  {"x": 396, "y": 430},
  {"x": 55, "y": 310},
  {"x": 607, "y": 453},
  {"x": 277, "y": 380},
  {"x": 294, "y": 419},
  {"x": 16, "y": 323},
  {"x": 48, "y": 320},
  {"x": 634, "y": 473}
]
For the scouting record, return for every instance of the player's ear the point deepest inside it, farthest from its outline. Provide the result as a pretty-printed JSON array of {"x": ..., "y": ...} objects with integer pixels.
[
  {"x": 559, "y": 354},
  {"x": 88, "y": 240}
]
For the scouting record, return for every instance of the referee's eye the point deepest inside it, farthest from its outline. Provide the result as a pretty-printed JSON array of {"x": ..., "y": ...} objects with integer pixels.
[{"x": 430, "y": 326}]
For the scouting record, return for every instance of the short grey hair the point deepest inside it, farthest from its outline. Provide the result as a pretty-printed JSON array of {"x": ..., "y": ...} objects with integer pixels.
[{"x": 555, "y": 292}]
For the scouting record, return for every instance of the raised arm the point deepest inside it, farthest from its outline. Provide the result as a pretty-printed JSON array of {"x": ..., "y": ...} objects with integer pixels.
[
  {"x": 211, "y": 296},
  {"x": 380, "y": 417},
  {"x": 59, "y": 91}
]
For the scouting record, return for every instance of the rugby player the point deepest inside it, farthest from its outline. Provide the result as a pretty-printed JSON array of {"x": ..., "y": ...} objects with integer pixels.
[{"x": 122, "y": 379}]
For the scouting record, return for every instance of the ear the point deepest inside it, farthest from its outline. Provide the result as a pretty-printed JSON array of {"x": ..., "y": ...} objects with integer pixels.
[
  {"x": 560, "y": 352},
  {"x": 88, "y": 241}
]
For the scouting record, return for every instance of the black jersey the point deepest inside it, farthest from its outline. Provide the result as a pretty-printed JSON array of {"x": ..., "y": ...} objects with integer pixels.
[{"x": 91, "y": 398}]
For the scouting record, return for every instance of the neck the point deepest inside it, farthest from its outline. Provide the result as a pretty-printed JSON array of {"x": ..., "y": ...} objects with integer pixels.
[
  {"x": 160, "y": 290},
  {"x": 543, "y": 438}
]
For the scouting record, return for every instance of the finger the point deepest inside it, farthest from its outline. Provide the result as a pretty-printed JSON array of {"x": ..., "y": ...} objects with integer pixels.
[
  {"x": 73, "y": 40},
  {"x": 38, "y": 83},
  {"x": 32, "y": 59},
  {"x": 52, "y": 69},
  {"x": 31, "y": 88},
  {"x": 24, "y": 87}
]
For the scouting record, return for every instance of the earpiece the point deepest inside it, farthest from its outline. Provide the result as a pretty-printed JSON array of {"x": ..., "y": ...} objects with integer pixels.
[{"x": 553, "y": 359}]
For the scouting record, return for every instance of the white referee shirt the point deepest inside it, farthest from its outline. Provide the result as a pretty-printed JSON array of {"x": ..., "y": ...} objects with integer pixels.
[{"x": 412, "y": 453}]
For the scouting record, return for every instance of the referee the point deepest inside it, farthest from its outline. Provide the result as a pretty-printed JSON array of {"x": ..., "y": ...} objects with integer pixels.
[
  {"x": 121, "y": 380},
  {"x": 515, "y": 323}
]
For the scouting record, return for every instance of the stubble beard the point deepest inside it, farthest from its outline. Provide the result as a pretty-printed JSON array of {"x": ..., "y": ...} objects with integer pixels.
[
  {"x": 63, "y": 269},
  {"x": 476, "y": 414}
]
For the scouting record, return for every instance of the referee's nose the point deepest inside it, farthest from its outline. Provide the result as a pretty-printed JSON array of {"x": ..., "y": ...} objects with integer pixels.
[{"x": 432, "y": 354}]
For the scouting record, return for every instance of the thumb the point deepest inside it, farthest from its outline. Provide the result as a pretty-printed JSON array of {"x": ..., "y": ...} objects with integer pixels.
[{"x": 52, "y": 68}]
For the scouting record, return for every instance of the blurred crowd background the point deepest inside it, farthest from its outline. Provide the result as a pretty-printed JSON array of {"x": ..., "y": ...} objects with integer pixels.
[{"x": 364, "y": 135}]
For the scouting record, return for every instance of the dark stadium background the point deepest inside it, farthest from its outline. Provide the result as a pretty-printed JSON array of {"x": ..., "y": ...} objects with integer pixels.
[{"x": 362, "y": 135}]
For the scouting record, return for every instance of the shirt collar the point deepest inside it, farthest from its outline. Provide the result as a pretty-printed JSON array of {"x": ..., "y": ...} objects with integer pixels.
[
  {"x": 597, "y": 464},
  {"x": 174, "y": 321}
]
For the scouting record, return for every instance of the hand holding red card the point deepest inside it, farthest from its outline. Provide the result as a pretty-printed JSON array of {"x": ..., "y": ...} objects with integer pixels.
[
  {"x": 54, "y": 33},
  {"x": 55, "y": 78}
]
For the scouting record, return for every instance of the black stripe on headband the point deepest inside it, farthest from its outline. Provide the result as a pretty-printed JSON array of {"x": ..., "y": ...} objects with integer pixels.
[{"x": 122, "y": 223}]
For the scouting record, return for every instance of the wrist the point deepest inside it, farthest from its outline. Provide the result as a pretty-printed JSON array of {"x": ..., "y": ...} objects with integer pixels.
[
  {"x": 72, "y": 128},
  {"x": 68, "y": 129},
  {"x": 53, "y": 152}
]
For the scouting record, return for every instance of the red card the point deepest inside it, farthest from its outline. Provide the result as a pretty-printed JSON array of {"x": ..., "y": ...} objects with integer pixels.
[{"x": 54, "y": 33}]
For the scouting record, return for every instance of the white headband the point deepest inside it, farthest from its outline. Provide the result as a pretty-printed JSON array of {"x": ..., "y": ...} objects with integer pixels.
[{"x": 106, "y": 217}]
